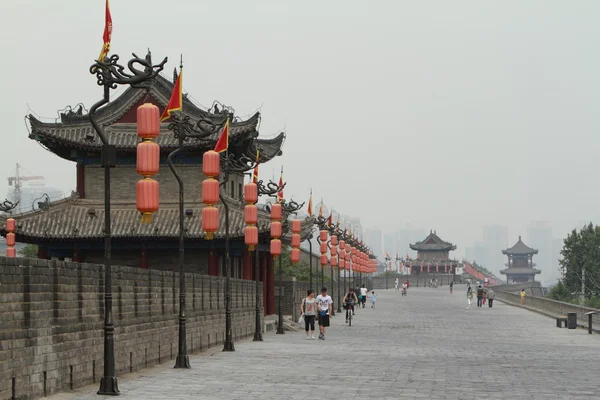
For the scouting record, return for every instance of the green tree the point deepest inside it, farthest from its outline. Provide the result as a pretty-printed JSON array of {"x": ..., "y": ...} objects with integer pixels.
[
  {"x": 560, "y": 292},
  {"x": 29, "y": 251},
  {"x": 581, "y": 251},
  {"x": 300, "y": 271}
]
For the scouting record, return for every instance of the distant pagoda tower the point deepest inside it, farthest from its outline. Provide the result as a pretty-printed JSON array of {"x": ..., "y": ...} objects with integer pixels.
[
  {"x": 433, "y": 255},
  {"x": 520, "y": 263}
]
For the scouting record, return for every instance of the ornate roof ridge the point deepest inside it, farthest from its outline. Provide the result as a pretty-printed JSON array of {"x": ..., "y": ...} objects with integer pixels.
[{"x": 520, "y": 248}]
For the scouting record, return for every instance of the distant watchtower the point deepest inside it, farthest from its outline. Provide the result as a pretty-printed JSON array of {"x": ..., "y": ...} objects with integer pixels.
[
  {"x": 520, "y": 263},
  {"x": 432, "y": 248}
]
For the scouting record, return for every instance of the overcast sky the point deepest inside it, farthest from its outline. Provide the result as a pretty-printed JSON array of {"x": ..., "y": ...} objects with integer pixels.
[{"x": 449, "y": 115}]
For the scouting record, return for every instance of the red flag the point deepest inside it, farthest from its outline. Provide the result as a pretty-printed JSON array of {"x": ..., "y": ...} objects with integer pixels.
[
  {"x": 329, "y": 220},
  {"x": 321, "y": 209},
  {"x": 255, "y": 172},
  {"x": 106, "y": 37},
  {"x": 176, "y": 100},
  {"x": 223, "y": 142},
  {"x": 310, "y": 210},
  {"x": 280, "y": 193}
]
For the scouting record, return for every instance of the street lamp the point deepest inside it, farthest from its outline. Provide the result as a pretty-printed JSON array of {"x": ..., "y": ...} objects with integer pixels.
[
  {"x": 388, "y": 259},
  {"x": 183, "y": 130},
  {"x": 109, "y": 74}
]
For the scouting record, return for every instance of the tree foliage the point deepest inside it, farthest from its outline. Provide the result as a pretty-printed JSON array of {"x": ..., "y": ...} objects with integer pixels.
[
  {"x": 29, "y": 251},
  {"x": 300, "y": 271},
  {"x": 581, "y": 250}
]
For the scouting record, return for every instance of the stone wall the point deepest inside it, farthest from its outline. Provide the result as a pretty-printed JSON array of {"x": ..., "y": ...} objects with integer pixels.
[
  {"x": 532, "y": 288},
  {"x": 552, "y": 308},
  {"x": 51, "y": 321}
]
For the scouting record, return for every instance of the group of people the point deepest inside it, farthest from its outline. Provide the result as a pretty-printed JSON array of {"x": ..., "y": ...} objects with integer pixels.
[
  {"x": 320, "y": 309},
  {"x": 404, "y": 286},
  {"x": 482, "y": 296}
]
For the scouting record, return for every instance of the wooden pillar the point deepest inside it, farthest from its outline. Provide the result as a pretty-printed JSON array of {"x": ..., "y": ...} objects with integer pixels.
[
  {"x": 81, "y": 181},
  {"x": 246, "y": 265},
  {"x": 270, "y": 286},
  {"x": 42, "y": 253},
  {"x": 213, "y": 263},
  {"x": 263, "y": 279}
]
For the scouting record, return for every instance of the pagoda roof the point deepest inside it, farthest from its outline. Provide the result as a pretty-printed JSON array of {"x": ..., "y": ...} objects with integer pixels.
[
  {"x": 75, "y": 131},
  {"x": 83, "y": 219},
  {"x": 433, "y": 243},
  {"x": 520, "y": 248},
  {"x": 520, "y": 271}
]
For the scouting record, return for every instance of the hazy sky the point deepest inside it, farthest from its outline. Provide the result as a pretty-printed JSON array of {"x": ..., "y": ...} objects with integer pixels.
[{"x": 449, "y": 115}]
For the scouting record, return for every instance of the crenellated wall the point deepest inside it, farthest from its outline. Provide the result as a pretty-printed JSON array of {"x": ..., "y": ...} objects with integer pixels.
[{"x": 51, "y": 321}]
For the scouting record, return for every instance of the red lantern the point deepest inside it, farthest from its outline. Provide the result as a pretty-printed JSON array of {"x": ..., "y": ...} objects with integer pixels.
[
  {"x": 342, "y": 244},
  {"x": 275, "y": 248},
  {"x": 11, "y": 252},
  {"x": 211, "y": 163},
  {"x": 295, "y": 240},
  {"x": 251, "y": 237},
  {"x": 148, "y": 121},
  {"x": 210, "y": 191},
  {"x": 333, "y": 250},
  {"x": 348, "y": 248},
  {"x": 342, "y": 253},
  {"x": 347, "y": 257},
  {"x": 250, "y": 192},
  {"x": 147, "y": 198},
  {"x": 210, "y": 221},
  {"x": 342, "y": 263},
  {"x": 323, "y": 236},
  {"x": 148, "y": 158},
  {"x": 295, "y": 255},
  {"x": 334, "y": 261},
  {"x": 334, "y": 240},
  {"x": 10, "y": 239},
  {"x": 276, "y": 229},
  {"x": 11, "y": 225},
  {"x": 251, "y": 214},
  {"x": 296, "y": 226},
  {"x": 324, "y": 260},
  {"x": 276, "y": 211},
  {"x": 323, "y": 247}
]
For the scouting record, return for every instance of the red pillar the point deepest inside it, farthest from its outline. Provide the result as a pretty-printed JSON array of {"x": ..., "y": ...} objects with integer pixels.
[
  {"x": 144, "y": 258},
  {"x": 213, "y": 264},
  {"x": 246, "y": 266},
  {"x": 263, "y": 279},
  {"x": 270, "y": 286}
]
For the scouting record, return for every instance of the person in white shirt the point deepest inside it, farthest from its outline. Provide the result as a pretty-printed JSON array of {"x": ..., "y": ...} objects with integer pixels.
[
  {"x": 363, "y": 295},
  {"x": 396, "y": 283},
  {"x": 324, "y": 307}
]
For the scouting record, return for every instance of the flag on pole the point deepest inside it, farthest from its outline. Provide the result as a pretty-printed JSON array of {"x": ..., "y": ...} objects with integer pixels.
[
  {"x": 255, "y": 172},
  {"x": 223, "y": 142},
  {"x": 310, "y": 210},
  {"x": 176, "y": 100},
  {"x": 387, "y": 255},
  {"x": 106, "y": 37},
  {"x": 280, "y": 193},
  {"x": 321, "y": 209},
  {"x": 330, "y": 220}
]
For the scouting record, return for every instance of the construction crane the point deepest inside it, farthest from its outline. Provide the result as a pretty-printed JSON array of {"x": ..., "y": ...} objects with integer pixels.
[{"x": 18, "y": 179}]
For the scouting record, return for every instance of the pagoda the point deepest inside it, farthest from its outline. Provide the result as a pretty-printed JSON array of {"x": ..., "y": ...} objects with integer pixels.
[
  {"x": 433, "y": 255},
  {"x": 520, "y": 263},
  {"x": 72, "y": 228}
]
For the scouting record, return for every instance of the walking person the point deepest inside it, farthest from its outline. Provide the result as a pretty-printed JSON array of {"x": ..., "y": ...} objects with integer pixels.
[
  {"x": 469, "y": 296},
  {"x": 373, "y": 299},
  {"x": 396, "y": 282},
  {"x": 451, "y": 286},
  {"x": 324, "y": 307},
  {"x": 363, "y": 295},
  {"x": 479, "y": 296},
  {"x": 307, "y": 308},
  {"x": 491, "y": 296},
  {"x": 523, "y": 296}
]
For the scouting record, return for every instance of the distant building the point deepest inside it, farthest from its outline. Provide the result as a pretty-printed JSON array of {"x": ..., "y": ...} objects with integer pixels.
[
  {"x": 520, "y": 263},
  {"x": 433, "y": 255}
]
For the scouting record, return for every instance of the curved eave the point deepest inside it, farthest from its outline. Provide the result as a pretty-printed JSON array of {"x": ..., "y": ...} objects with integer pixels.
[{"x": 418, "y": 248}]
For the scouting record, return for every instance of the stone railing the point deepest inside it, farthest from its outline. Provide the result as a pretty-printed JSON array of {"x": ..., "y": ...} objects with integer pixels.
[
  {"x": 52, "y": 318},
  {"x": 549, "y": 307}
]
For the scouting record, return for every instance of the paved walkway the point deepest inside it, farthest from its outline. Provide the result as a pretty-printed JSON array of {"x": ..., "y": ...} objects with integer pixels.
[{"x": 423, "y": 346}]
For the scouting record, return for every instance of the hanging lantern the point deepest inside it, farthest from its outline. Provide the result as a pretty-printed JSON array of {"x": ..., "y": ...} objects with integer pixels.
[
  {"x": 147, "y": 161},
  {"x": 147, "y": 195},
  {"x": 334, "y": 240},
  {"x": 324, "y": 260},
  {"x": 211, "y": 167},
  {"x": 250, "y": 214},
  {"x": 210, "y": 221},
  {"x": 276, "y": 229},
  {"x": 276, "y": 211},
  {"x": 342, "y": 262},
  {"x": 296, "y": 240},
  {"x": 323, "y": 235},
  {"x": 323, "y": 247},
  {"x": 251, "y": 236},
  {"x": 334, "y": 261},
  {"x": 333, "y": 250},
  {"x": 11, "y": 227},
  {"x": 295, "y": 255},
  {"x": 275, "y": 248},
  {"x": 250, "y": 192}
]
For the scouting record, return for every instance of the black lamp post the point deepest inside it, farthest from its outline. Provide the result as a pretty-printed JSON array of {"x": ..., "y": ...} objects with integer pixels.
[
  {"x": 270, "y": 189},
  {"x": 287, "y": 209},
  {"x": 7, "y": 206},
  {"x": 109, "y": 75},
  {"x": 231, "y": 164},
  {"x": 184, "y": 130},
  {"x": 387, "y": 260}
]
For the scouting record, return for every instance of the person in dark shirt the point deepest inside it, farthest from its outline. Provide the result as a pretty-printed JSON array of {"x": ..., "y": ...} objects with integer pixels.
[{"x": 479, "y": 296}]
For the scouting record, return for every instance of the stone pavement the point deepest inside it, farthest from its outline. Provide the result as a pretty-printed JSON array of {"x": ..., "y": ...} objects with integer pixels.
[{"x": 423, "y": 346}]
